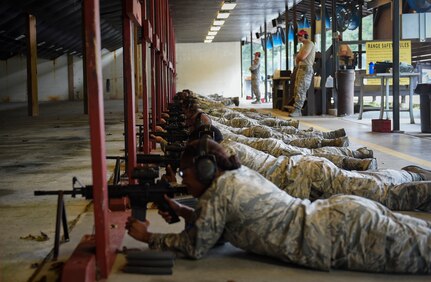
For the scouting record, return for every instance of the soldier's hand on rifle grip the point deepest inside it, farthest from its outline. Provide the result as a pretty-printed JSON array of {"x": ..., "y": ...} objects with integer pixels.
[
  {"x": 138, "y": 229},
  {"x": 175, "y": 207},
  {"x": 170, "y": 175}
]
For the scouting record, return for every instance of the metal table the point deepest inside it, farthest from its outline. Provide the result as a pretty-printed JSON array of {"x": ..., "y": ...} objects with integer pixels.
[{"x": 384, "y": 86}]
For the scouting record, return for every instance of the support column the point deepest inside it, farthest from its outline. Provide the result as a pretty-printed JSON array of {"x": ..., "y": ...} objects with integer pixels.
[
  {"x": 145, "y": 102},
  {"x": 70, "y": 81},
  {"x": 129, "y": 96},
  {"x": 32, "y": 94},
  {"x": 153, "y": 71},
  {"x": 396, "y": 64},
  {"x": 286, "y": 35},
  {"x": 323, "y": 51},
  {"x": 97, "y": 134},
  {"x": 136, "y": 62},
  {"x": 266, "y": 65},
  {"x": 311, "y": 95}
]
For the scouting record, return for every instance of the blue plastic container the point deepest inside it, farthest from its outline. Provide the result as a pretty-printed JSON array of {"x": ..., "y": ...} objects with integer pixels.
[{"x": 371, "y": 68}]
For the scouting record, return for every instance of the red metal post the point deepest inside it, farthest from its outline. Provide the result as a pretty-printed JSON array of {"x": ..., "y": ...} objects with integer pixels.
[
  {"x": 163, "y": 35},
  {"x": 97, "y": 133},
  {"x": 174, "y": 65},
  {"x": 153, "y": 71},
  {"x": 169, "y": 34},
  {"x": 129, "y": 95},
  {"x": 145, "y": 111},
  {"x": 158, "y": 66}
]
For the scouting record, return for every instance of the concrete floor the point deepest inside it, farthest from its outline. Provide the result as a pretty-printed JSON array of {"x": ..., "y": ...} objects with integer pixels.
[{"x": 45, "y": 152}]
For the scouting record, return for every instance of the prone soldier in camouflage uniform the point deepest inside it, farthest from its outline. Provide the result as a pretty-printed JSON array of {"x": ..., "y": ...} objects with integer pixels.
[
  {"x": 320, "y": 177},
  {"x": 346, "y": 232},
  {"x": 341, "y": 161},
  {"x": 277, "y": 147},
  {"x": 262, "y": 131}
]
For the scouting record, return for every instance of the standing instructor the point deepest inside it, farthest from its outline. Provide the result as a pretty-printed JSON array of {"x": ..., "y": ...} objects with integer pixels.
[
  {"x": 303, "y": 73},
  {"x": 255, "y": 77}
]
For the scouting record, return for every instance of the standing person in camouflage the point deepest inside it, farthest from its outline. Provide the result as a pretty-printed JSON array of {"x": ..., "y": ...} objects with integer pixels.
[
  {"x": 303, "y": 73},
  {"x": 346, "y": 232},
  {"x": 255, "y": 77}
]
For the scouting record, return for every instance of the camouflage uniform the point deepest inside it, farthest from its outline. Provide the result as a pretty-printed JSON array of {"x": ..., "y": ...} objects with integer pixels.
[
  {"x": 304, "y": 74},
  {"x": 312, "y": 177},
  {"x": 277, "y": 147},
  {"x": 255, "y": 78},
  {"x": 261, "y": 131},
  {"x": 341, "y": 232}
]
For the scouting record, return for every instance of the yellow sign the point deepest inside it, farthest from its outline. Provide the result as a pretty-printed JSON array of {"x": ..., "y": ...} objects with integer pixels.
[{"x": 380, "y": 51}]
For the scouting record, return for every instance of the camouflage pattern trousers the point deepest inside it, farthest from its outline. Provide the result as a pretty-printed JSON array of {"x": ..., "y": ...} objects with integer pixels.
[
  {"x": 366, "y": 236},
  {"x": 304, "y": 74},
  {"x": 255, "y": 88},
  {"x": 313, "y": 177}
]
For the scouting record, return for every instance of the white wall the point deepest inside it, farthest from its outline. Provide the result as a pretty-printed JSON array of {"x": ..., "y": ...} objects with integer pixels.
[
  {"x": 202, "y": 68},
  {"x": 52, "y": 78},
  {"x": 209, "y": 68}
]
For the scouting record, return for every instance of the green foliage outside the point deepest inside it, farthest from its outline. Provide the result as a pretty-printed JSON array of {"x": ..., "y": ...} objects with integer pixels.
[{"x": 276, "y": 58}]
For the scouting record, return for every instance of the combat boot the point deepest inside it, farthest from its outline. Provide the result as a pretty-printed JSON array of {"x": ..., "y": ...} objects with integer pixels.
[
  {"x": 289, "y": 108},
  {"x": 337, "y": 142},
  {"x": 235, "y": 100},
  {"x": 363, "y": 153},
  {"x": 295, "y": 113},
  {"x": 350, "y": 163},
  {"x": 334, "y": 134},
  {"x": 424, "y": 173}
]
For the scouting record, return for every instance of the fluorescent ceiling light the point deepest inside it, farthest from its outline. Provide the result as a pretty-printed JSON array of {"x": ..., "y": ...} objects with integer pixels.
[
  {"x": 215, "y": 28},
  {"x": 228, "y": 5},
  {"x": 20, "y": 37},
  {"x": 218, "y": 22},
  {"x": 223, "y": 15},
  {"x": 207, "y": 41},
  {"x": 41, "y": 43},
  {"x": 210, "y": 37},
  {"x": 212, "y": 32}
]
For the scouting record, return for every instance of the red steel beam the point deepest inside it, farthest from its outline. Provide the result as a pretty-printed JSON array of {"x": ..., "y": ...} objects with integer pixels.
[
  {"x": 145, "y": 105},
  {"x": 158, "y": 65},
  {"x": 153, "y": 71},
  {"x": 169, "y": 37},
  {"x": 174, "y": 65},
  {"x": 97, "y": 133},
  {"x": 81, "y": 266},
  {"x": 129, "y": 95},
  {"x": 163, "y": 35}
]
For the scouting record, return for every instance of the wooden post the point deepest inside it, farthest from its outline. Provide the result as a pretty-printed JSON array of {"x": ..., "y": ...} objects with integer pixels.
[{"x": 32, "y": 94}]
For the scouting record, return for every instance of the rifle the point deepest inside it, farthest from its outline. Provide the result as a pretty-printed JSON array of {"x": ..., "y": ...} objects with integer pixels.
[
  {"x": 139, "y": 195},
  {"x": 173, "y": 136},
  {"x": 160, "y": 160}
]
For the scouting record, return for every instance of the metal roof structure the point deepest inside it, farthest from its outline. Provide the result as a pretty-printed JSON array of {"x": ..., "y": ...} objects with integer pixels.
[{"x": 59, "y": 22}]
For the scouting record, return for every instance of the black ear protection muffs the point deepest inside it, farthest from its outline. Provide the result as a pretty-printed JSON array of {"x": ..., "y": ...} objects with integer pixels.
[
  {"x": 198, "y": 120},
  {"x": 206, "y": 130},
  {"x": 206, "y": 165}
]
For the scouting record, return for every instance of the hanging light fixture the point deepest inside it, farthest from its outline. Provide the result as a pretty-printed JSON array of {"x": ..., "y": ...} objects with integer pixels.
[
  {"x": 223, "y": 15},
  {"x": 218, "y": 22},
  {"x": 228, "y": 5}
]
